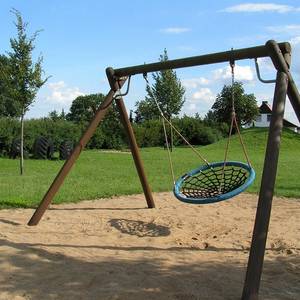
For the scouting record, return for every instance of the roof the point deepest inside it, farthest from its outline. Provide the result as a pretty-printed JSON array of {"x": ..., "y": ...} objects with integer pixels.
[
  {"x": 265, "y": 108},
  {"x": 287, "y": 123}
]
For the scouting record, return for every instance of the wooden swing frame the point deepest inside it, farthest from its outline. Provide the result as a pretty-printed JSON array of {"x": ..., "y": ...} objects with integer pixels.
[{"x": 280, "y": 54}]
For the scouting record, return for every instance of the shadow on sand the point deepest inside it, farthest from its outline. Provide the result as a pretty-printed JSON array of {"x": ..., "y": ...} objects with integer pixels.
[{"x": 36, "y": 273}]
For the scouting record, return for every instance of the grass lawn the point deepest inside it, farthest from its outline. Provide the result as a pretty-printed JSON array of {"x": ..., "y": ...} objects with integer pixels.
[{"x": 104, "y": 174}]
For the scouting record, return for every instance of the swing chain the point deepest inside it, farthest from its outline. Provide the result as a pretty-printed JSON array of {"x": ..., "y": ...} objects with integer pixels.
[
  {"x": 232, "y": 65},
  {"x": 164, "y": 119},
  {"x": 233, "y": 116},
  {"x": 164, "y": 128}
]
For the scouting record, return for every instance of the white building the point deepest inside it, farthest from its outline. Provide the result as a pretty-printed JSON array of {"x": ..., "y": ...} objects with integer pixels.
[{"x": 264, "y": 118}]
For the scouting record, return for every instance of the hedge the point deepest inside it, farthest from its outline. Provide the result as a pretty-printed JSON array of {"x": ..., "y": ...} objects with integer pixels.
[{"x": 110, "y": 134}]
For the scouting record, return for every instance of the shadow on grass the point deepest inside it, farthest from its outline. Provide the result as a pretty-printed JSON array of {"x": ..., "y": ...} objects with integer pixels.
[{"x": 36, "y": 273}]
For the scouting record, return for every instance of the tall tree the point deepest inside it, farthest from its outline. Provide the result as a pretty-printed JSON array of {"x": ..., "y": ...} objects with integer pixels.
[
  {"x": 8, "y": 107},
  {"x": 167, "y": 90},
  {"x": 25, "y": 75},
  {"x": 84, "y": 107},
  {"x": 245, "y": 105}
]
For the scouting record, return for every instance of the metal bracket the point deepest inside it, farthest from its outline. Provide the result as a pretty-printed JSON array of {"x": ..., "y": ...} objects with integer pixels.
[
  {"x": 127, "y": 89},
  {"x": 258, "y": 74}
]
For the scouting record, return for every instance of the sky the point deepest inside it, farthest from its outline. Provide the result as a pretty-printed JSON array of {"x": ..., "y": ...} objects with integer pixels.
[{"x": 80, "y": 39}]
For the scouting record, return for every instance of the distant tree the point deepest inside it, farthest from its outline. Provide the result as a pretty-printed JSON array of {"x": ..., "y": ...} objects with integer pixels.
[
  {"x": 130, "y": 116},
  {"x": 25, "y": 76},
  {"x": 55, "y": 115},
  {"x": 210, "y": 117},
  {"x": 146, "y": 110},
  {"x": 245, "y": 105},
  {"x": 167, "y": 90},
  {"x": 83, "y": 108},
  {"x": 63, "y": 115},
  {"x": 197, "y": 116}
]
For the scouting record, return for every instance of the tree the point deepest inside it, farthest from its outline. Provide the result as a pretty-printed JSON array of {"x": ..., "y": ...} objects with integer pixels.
[
  {"x": 25, "y": 76},
  {"x": 146, "y": 110},
  {"x": 55, "y": 116},
  {"x": 168, "y": 92},
  {"x": 83, "y": 108},
  {"x": 130, "y": 116},
  {"x": 245, "y": 105},
  {"x": 210, "y": 117},
  {"x": 8, "y": 107}
]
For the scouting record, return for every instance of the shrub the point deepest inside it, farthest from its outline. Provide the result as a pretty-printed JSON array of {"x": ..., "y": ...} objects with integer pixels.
[
  {"x": 57, "y": 131},
  {"x": 150, "y": 133},
  {"x": 110, "y": 134}
]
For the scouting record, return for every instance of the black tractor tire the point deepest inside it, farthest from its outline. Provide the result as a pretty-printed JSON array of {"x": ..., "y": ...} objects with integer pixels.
[
  {"x": 43, "y": 148},
  {"x": 3, "y": 146},
  {"x": 15, "y": 149},
  {"x": 65, "y": 150}
]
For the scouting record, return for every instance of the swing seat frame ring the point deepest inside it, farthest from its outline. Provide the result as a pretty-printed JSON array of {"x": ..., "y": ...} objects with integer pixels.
[{"x": 214, "y": 182}]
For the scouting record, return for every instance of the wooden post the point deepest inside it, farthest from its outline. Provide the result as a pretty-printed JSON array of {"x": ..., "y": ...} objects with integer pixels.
[
  {"x": 71, "y": 160},
  {"x": 135, "y": 152},
  {"x": 263, "y": 213},
  {"x": 281, "y": 61}
]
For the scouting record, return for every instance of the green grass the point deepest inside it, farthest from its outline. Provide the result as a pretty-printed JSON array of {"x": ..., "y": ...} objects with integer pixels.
[{"x": 101, "y": 174}]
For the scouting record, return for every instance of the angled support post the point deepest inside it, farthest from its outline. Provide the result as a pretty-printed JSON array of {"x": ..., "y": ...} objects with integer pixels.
[
  {"x": 135, "y": 152},
  {"x": 263, "y": 213},
  {"x": 59, "y": 179},
  {"x": 282, "y": 62},
  {"x": 132, "y": 141}
]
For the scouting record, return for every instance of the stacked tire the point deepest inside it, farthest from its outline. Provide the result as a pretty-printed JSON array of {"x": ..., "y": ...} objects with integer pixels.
[
  {"x": 43, "y": 148},
  {"x": 15, "y": 149},
  {"x": 65, "y": 149},
  {"x": 2, "y": 146}
]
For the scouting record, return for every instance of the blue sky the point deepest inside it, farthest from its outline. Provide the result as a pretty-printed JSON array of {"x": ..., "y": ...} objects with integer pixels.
[{"x": 81, "y": 38}]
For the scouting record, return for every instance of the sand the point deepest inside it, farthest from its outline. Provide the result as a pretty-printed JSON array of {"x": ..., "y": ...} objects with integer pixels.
[{"x": 118, "y": 249}]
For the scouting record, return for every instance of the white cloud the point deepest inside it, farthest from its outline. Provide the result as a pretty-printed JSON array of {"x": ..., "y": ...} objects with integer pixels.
[
  {"x": 295, "y": 40},
  {"x": 199, "y": 101},
  {"x": 195, "y": 82},
  {"x": 291, "y": 33},
  {"x": 205, "y": 95},
  {"x": 61, "y": 93},
  {"x": 290, "y": 29},
  {"x": 201, "y": 90},
  {"x": 192, "y": 107},
  {"x": 175, "y": 30},
  {"x": 56, "y": 85},
  {"x": 242, "y": 73},
  {"x": 260, "y": 7}
]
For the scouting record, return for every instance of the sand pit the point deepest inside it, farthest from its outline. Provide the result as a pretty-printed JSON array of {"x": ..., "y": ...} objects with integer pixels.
[{"x": 118, "y": 249}]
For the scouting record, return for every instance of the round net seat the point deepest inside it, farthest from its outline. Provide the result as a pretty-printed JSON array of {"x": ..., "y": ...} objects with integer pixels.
[{"x": 214, "y": 182}]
